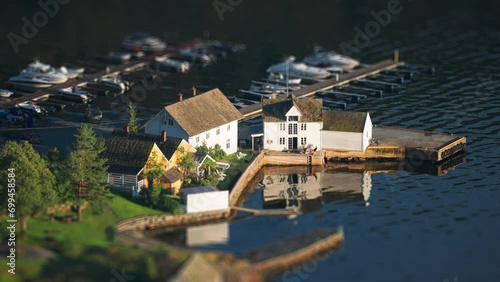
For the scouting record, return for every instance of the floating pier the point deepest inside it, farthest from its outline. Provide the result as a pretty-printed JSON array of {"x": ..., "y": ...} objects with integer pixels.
[
  {"x": 134, "y": 64},
  {"x": 399, "y": 143},
  {"x": 253, "y": 111}
]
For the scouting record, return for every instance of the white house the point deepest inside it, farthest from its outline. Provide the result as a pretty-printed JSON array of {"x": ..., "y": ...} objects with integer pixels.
[
  {"x": 290, "y": 123},
  {"x": 209, "y": 117},
  {"x": 346, "y": 130}
]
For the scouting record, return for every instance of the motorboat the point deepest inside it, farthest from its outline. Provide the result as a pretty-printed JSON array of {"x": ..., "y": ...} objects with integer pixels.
[
  {"x": 5, "y": 93},
  {"x": 114, "y": 84},
  {"x": 30, "y": 107},
  {"x": 268, "y": 87},
  {"x": 328, "y": 58},
  {"x": 195, "y": 56},
  {"x": 280, "y": 78},
  {"x": 172, "y": 64},
  {"x": 75, "y": 93},
  {"x": 143, "y": 42},
  {"x": 36, "y": 80},
  {"x": 293, "y": 69},
  {"x": 37, "y": 66},
  {"x": 119, "y": 57}
]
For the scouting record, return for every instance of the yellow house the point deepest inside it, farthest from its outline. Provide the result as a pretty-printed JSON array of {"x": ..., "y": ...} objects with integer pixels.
[{"x": 128, "y": 154}]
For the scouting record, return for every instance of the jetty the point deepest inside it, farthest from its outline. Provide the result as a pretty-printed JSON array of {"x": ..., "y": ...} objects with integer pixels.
[
  {"x": 255, "y": 110},
  {"x": 113, "y": 70}
]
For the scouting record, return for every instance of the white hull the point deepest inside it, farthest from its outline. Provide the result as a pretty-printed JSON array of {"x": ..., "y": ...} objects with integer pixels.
[
  {"x": 5, "y": 93},
  {"x": 179, "y": 66}
]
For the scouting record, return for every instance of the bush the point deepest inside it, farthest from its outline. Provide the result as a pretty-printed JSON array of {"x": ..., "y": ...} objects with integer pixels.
[
  {"x": 170, "y": 205},
  {"x": 110, "y": 233}
]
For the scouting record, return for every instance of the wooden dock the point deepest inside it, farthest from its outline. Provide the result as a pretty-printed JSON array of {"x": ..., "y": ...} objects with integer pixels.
[
  {"x": 400, "y": 143},
  {"x": 254, "y": 110},
  {"x": 134, "y": 64}
]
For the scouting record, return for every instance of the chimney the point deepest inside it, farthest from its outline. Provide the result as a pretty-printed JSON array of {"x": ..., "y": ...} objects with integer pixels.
[
  {"x": 163, "y": 135},
  {"x": 194, "y": 91},
  {"x": 273, "y": 96},
  {"x": 127, "y": 131},
  {"x": 180, "y": 97}
]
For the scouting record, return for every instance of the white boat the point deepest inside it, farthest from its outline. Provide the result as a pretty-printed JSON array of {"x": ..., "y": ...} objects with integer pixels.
[
  {"x": 36, "y": 80},
  {"x": 26, "y": 107},
  {"x": 114, "y": 84},
  {"x": 167, "y": 63},
  {"x": 119, "y": 56},
  {"x": 298, "y": 69},
  {"x": 5, "y": 93},
  {"x": 37, "y": 66},
  {"x": 280, "y": 78},
  {"x": 193, "y": 55},
  {"x": 143, "y": 42},
  {"x": 75, "y": 92},
  {"x": 327, "y": 58}
]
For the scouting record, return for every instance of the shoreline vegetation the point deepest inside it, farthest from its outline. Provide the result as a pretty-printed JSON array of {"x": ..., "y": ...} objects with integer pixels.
[{"x": 72, "y": 234}]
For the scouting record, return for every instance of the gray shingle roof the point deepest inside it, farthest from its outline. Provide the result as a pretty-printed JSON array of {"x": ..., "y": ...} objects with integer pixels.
[
  {"x": 203, "y": 112},
  {"x": 344, "y": 121},
  {"x": 274, "y": 110}
]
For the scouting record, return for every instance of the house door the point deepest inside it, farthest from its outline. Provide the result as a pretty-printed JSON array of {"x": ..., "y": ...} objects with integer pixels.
[{"x": 292, "y": 143}]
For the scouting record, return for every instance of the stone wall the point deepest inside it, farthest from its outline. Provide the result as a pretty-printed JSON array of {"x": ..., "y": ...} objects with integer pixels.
[{"x": 165, "y": 221}]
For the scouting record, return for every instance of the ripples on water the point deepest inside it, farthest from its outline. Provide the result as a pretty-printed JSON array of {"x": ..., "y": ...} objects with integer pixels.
[{"x": 417, "y": 227}]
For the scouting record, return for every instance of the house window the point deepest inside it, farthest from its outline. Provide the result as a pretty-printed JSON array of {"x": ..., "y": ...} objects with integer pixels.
[
  {"x": 282, "y": 127},
  {"x": 217, "y": 131},
  {"x": 292, "y": 128},
  {"x": 303, "y": 140},
  {"x": 198, "y": 139},
  {"x": 163, "y": 121},
  {"x": 228, "y": 143},
  {"x": 208, "y": 135},
  {"x": 293, "y": 118},
  {"x": 170, "y": 122},
  {"x": 282, "y": 140},
  {"x": 303, "y": 126}
]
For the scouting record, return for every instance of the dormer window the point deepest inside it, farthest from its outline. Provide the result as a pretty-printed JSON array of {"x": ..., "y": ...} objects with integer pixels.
[{"x": 293, "y": 118}]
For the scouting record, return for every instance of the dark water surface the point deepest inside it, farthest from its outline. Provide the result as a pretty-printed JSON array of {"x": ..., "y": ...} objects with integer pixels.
[{"x": 417, "y": 227}]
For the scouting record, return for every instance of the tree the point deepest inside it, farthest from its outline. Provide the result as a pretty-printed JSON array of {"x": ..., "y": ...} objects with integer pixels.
[
  {"x": 32, "y": 184},
  {"x": 87, "y": 172},
  {"x": 153, "y": 170},
  {"x": 133, "y": 122},
  {"x": 56, "y": 162},
  {"x": 187, "y": 165}
]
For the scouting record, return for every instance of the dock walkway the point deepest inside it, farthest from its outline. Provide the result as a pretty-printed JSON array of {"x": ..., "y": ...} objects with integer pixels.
[
  {"x": 113, "y": 70},
  {"x": 255, "y": 109}
]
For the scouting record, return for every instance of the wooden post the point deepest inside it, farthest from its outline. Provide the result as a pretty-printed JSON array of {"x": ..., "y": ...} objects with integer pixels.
[{"x": 396, "y": 55}]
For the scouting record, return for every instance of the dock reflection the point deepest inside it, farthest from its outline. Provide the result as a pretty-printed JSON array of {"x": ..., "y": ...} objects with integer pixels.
[{"x": 309, "y": 188}]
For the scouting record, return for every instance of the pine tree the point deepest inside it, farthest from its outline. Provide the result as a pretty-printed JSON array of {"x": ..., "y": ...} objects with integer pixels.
[
  {"x": 133, "y": 122},
  {"x": 87, "y": 172},
  {"x": 32, "y": 187}
]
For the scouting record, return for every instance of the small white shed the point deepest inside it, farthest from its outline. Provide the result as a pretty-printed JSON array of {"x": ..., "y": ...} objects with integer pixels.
[
  {"x": 346, "y": 130},
  {"x": 204, "y": 198}
]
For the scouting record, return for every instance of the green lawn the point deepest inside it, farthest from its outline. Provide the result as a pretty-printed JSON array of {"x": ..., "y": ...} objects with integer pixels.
[
  {"x": 85, "y": 252},
  {"x": 91, "y": 231}
]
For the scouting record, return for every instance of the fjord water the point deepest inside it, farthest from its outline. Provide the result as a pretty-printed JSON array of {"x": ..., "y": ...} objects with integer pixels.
[{"x": 417, "y": 227}]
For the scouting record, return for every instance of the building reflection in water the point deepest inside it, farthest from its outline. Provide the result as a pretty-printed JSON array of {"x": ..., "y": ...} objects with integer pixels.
[
  {"x": 308, "y": 189},
  {"x": 209, "y": 234}
]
